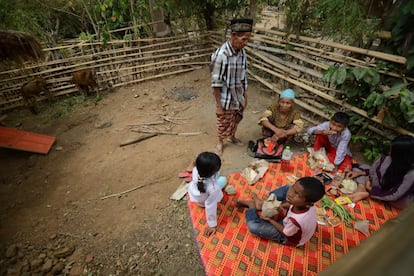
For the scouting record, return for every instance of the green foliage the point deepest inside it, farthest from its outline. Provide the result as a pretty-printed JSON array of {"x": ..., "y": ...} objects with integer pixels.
[
  {"x": 401, "y": 27},
  {"x": 344, "y": 19},
  {"x": 86, "y": 37},
  {"x": 364, "y": 88},
  {"x": 340, "y": 19},
  {"x": 372, "y": 145}
]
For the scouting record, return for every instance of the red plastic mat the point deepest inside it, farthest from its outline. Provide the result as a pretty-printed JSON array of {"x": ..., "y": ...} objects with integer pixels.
[
  {"x": 24, "y": 140},
  {"x": 234, "y": 251}
]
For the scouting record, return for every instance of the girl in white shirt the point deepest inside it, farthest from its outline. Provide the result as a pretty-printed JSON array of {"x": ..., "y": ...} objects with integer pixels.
[{"x": 204, "y": 189}]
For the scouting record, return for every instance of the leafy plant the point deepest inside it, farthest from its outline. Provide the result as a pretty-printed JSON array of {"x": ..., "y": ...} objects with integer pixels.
[{"x": 367, "y": 89}]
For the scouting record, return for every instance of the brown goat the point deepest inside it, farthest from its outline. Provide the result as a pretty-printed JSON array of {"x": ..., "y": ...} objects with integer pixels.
[
  {"x": 32, "y": 89},
  {"x": 84, "y": 80}
]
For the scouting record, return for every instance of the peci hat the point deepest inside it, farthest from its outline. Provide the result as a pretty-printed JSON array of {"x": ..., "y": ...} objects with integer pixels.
[
  {"x": 288, "y": 93},
  {"x": 241, "y": 25}
]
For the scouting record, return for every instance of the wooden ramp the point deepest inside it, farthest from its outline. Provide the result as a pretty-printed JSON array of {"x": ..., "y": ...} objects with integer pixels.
[{"x": 27, "y": 141}]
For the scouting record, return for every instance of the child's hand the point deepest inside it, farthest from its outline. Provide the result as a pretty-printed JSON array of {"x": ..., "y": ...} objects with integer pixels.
[
  {"x": 352, "y": 175},
  {"x": 328, "y": 132},
  {"x": 285, "y": 205},
  {"x": 209, "y": 231},
  {"x": 368, "y": 184}
]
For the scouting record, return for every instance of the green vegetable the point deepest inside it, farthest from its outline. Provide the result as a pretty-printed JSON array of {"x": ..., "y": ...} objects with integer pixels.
[{"x": 338, "y": 210}]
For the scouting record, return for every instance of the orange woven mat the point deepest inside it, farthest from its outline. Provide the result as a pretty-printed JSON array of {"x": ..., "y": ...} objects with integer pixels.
[{"x": 232, "y": 250}]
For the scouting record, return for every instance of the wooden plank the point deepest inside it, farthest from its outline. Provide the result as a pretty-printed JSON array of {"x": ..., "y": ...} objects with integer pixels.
[
  {"x": 26, "y": 141},
  {"x": 180, "y": 192}
]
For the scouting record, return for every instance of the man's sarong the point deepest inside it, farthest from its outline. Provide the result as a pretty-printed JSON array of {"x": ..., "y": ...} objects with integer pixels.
[{"x": 227, "y": 123}]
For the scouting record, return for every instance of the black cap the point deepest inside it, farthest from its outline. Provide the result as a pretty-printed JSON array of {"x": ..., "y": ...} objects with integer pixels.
[{"x": 241, "y": 25}]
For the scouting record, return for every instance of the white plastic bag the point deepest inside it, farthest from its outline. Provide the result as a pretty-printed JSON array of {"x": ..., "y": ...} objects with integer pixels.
[
  {"x": 318, "y": 159},
  {"x": 255, "y": 170}
]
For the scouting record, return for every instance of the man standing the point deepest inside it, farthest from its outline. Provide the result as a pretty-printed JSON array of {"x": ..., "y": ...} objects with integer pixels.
[{"x": 229, "y": 81}]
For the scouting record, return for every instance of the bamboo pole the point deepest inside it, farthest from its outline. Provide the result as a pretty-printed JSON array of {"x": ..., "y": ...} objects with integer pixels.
[
  {"x": 376, "y": 54},
  {"x": 361, "y": 112},
  {"x": 333, "y": 56},
  {"x": 315, "y": 110},
  {"x": 158, "y": 76},
  {"x": 275, "y": 64}
]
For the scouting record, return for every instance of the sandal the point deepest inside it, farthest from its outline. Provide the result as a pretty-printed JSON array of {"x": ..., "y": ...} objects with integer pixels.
[{"x": 184, "y": 174}]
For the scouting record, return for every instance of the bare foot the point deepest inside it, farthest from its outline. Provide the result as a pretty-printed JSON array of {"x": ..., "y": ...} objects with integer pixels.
[
  {"x": 246, "y": 203},
  {"x": 257, "y": 202},
  {"x": 219, "y": 149},
  {"x": 355, "y": 197},
  {"x": 236, "y": 141}
]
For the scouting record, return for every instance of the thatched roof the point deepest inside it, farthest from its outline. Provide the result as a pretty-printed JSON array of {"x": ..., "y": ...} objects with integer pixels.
[{"x": 18, "y": 46}]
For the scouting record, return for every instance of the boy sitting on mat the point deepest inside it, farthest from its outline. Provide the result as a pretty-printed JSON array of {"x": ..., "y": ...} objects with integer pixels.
[
  {"x": 334, "y": 136},
  {"x": 299, "y": 224}
]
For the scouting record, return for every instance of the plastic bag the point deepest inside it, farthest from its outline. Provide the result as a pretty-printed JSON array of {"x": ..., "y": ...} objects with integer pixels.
[
  {"x": 255, "y": 170},
  {"x": 318, "y": 159},
  {"x": 270, "y": 206},
  {"x": 362, "y": 226}
]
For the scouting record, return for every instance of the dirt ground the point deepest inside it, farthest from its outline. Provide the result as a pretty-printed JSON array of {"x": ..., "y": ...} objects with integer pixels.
[{"x": 52, "y": 215}]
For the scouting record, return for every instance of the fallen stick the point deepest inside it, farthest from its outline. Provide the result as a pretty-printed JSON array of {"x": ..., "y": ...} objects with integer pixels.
[
  {"x": 169, "y": 132},
  {"x": 133, "y": 189},
  {"x": 147, "y": 124},
  {"x": 136, "y": 140}
]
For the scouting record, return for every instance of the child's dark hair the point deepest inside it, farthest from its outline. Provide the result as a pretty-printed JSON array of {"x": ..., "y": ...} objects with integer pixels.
[
  {"x": 341, "y": 117},
  {"x": 313, "y": 187},
  {"x": 207, "y": 163}
]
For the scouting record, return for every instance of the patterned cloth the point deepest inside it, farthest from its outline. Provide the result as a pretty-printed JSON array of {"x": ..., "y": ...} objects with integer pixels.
[
  {"x": 227, "y": 123},
  {"x": 232, "y": 250}
]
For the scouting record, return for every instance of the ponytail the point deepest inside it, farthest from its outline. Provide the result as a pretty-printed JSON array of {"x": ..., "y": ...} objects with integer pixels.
[{"x": 200, "y": 184}]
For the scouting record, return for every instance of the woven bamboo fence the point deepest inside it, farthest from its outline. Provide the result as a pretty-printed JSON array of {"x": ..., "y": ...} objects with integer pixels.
[
  {"x": 117, "y": 63},
  {"x": 278, "y": 61}
]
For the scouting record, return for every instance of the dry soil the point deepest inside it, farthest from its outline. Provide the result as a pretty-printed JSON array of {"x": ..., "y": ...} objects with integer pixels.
[{"x": 52, "y": 215}]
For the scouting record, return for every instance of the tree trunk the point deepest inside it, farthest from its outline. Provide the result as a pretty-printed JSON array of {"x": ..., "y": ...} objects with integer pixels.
[
  {"x": 209, "y": 16},
  {"x": 160, "y": 28}
]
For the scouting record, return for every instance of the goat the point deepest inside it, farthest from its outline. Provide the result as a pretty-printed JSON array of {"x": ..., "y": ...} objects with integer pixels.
[
  {"x": 84, "y": 80},
  {"x": 32, "y": 89}
]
